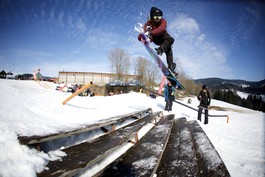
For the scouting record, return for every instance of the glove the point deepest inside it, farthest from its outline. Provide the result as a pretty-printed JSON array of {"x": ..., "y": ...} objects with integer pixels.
[
  {"x": 139, "y": 37},
  {"x": 148, "y": 34},
  {"x": 148, "y": 28}
]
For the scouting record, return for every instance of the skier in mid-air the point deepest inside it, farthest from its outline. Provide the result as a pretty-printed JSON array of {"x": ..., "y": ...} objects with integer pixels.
[{"x": 155, "y": 30}]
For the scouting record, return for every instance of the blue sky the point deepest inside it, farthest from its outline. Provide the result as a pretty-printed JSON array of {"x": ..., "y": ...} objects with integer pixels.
[{"x": 212, "y": 38}]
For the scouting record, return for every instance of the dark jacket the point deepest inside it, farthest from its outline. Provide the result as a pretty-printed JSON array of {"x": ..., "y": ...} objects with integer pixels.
[
  {"x": 169, "y": 93},
  {"x": 204, "y": 98},
  {"x": 158, "y": 30}
]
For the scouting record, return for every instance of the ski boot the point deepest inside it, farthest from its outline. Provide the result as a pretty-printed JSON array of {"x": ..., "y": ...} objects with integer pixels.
[
  {"x": 160, "y": 50},
  {"x": 172, "y": 69}
]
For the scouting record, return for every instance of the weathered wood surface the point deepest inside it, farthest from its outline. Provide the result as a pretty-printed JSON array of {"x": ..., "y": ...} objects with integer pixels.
[
  {"x": 209, "y": 161},
  {"x": 88, "y": 153},
  {"x": 179, "y": 158},
  {"x": 143, "y": 158}
]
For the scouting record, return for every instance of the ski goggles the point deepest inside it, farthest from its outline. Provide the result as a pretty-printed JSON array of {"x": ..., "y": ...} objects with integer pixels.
[{"x": 157, "y": 17}]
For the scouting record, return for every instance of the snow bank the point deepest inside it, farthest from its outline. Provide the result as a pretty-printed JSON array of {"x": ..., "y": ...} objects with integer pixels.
[{"x": 27, "y": 108}]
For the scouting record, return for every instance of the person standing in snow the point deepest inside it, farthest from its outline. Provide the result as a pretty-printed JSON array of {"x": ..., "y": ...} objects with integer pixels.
[
  {"x": 205, "y": 100},
  {"x": 169, "y": 95},
  {"x": 155, "y": 29}
]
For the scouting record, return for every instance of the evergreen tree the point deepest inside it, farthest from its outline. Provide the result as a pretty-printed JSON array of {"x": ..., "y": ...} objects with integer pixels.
[{"x": 254, "y": 102}]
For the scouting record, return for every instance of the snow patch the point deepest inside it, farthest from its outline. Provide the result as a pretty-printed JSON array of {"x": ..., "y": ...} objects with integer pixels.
[
  {"x": 145, "y": 164},
  {"x": 242, "y": 95},
  {"x": 206, "y": 149}
]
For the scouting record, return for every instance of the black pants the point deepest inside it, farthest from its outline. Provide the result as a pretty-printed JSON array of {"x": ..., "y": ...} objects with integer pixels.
[
  {"x": 169, "y": 104},
  {"x": 165, "y": 42},
  {"x": 200, "y": 114}
]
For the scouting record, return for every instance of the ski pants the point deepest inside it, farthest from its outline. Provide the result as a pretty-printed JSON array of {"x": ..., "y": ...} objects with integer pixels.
[
  {"x": 200, "y": 113},
  {"x": 169, "y": 104},
  {"x": 165, "y": 42}
]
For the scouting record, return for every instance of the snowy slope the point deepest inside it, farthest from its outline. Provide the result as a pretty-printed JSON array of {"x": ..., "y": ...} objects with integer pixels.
[
  {"x": 29, "y": 108},
  {"x": 242, "y": 94}
]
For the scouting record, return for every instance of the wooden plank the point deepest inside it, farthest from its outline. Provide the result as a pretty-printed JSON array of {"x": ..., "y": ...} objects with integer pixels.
[
  {"x": 61, "y": 134},
  {"x": 179, "y": 158},
  {"x": 77, "y": 92},
  {"x": 88, "y": 153},
  {"x": 143, "y": 158},
  {"x": 209, "y": 161}
]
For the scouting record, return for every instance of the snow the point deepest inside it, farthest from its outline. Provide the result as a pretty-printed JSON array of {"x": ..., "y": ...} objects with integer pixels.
[
  {"x": 147, "y": 163},
  {"x": 204, "y": 147},
  {"x": 35, "y": 108},
  {"x": 242, "y": 94}
]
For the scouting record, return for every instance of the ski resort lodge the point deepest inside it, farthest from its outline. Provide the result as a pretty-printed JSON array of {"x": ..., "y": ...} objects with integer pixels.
[{"x": 86, "y": 77}]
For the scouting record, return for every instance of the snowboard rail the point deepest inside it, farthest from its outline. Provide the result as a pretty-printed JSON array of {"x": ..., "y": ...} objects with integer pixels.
[
  {"x": 77, "y": 92},
  {"x": 194, "y": 109}
]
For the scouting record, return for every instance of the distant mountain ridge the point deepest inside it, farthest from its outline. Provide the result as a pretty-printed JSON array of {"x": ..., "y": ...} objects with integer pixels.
[{"x": 236, "y": 84}]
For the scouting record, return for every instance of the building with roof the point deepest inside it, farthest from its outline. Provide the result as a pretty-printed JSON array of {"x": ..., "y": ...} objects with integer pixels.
[
  {"x": 3, "y": 74},
  {"x": 86, "y": 77}
]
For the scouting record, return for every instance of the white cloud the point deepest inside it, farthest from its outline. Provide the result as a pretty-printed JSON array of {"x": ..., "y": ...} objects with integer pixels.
[
  {"x": 80, "y": 5},
  {"x": 43, "y": 13},
  {"x": 51, "y": 13},
  {"x": 61, "y": 19},
  {"x": 97, "y": 38},
  {"x": 70, "y": 21},
  {"x": 201, "y": 37},
  {"x": 200, "y": 57},
  {"x": 184, "y": 24},
  {"x": 30, "y": 54},
  {"x": 80, "y": 25}
]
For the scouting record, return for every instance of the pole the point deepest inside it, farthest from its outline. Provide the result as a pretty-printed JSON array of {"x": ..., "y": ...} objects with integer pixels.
[
  {"x": 77, "y": 92},
  {"x": 191, "y": 107}
]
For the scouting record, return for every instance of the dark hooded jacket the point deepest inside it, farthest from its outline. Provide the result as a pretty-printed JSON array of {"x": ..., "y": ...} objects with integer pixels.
[{"x": 204, "y": 97}]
